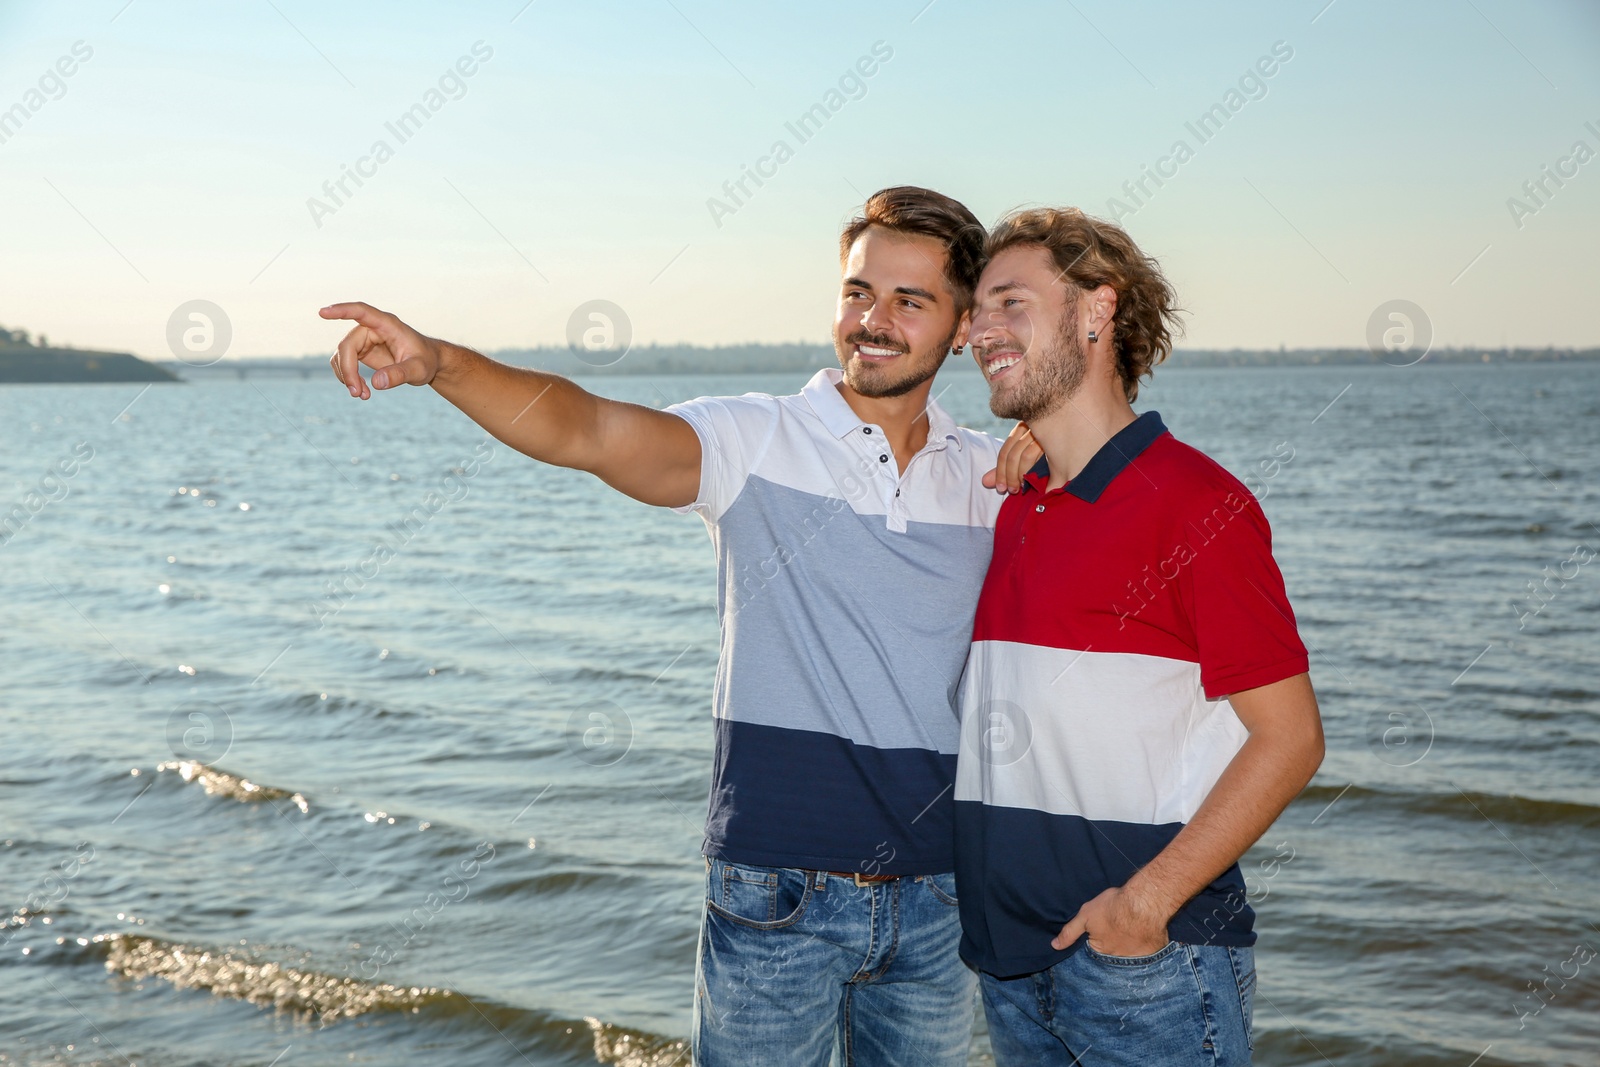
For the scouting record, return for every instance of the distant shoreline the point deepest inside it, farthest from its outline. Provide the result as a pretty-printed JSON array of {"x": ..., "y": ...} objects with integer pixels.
[
  {"x": 22, "y": 364},
  {"x": 797, "y": 358},
  {"x": 30, "y": 364}
]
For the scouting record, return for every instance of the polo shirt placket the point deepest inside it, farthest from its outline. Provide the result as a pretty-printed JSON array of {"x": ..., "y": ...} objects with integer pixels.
[{"x": 877, "y": 456}]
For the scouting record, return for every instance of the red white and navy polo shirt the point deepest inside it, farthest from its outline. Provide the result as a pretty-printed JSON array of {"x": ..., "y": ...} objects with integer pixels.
[{"x": 1119, "y": 612}]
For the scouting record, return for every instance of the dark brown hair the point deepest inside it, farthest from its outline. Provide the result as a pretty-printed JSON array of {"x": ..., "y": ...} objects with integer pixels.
[
  {"x": 1092, "y": 252},
  {"x": 910, "y": 209}
]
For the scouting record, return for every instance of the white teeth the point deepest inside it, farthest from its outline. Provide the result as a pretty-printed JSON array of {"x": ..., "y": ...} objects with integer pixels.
[
  {"x": 867, "y": 350},
  {"x": 1001, "y": 364}
]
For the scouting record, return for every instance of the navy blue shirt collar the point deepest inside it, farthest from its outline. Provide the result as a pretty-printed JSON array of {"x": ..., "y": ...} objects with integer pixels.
[{"x": 1113, "y": 458}]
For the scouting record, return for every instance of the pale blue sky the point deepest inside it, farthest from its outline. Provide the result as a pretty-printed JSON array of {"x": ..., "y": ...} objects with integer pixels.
[{"x": 179, "y": 160}]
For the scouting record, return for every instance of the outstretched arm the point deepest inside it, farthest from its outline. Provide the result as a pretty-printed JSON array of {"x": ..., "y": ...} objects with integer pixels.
[{"x": 650, "y": 455}]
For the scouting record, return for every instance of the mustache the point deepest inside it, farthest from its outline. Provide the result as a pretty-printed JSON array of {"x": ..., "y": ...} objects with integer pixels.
[
  {"x": 988, "y": 351},
  {"x": 862, "y": 337}
]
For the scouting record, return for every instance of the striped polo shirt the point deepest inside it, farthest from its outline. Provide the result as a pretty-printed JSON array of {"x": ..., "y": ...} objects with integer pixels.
[
  {"x": 1118, "y": 614},
  {"x": 845, "y": 592}
]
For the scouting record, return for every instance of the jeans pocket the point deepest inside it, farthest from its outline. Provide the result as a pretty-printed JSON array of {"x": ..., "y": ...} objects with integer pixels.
[
  {"x": 764, "y": 898},
  {"x": 1132, "y": 961},
  {"x": 942, "y": 886}
]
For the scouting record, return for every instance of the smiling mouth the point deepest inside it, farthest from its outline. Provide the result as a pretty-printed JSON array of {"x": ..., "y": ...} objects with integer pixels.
[
  {"x": 1000, "y": 364},
  {"x": 876, "y": 354}
]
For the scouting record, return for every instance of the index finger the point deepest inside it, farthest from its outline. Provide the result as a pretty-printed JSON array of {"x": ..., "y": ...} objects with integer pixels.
[
  {"x": 1028, "y": 453},
  {"x": 359, "y": 311},
  {"x": 1009, "y": 464},
  {"x": 1008, "y": 474},
  {"x": 380, "y": 323}
]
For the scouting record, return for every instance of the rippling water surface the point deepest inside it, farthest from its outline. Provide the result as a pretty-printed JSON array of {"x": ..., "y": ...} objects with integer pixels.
[{"x": 454, "y": 811}]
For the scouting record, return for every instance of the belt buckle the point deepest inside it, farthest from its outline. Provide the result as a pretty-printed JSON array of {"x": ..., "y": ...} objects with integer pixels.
[{"x": 865, "y": 880}]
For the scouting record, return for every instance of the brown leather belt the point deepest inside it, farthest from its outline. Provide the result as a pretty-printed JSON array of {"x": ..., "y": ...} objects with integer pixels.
[{"x": 863, "y": 879}]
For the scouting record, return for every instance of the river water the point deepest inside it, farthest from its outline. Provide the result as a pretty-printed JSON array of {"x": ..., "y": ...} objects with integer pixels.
[{"x": 453, "y": 815}]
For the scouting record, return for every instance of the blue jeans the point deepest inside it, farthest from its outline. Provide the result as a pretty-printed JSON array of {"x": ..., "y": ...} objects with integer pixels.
[
  {"x": 1187, "y": 1004},
  {"x": 797, "y": 967}
]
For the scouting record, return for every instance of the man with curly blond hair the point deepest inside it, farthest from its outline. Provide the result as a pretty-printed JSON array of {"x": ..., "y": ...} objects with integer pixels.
[{"x": 1136, "y": 709}]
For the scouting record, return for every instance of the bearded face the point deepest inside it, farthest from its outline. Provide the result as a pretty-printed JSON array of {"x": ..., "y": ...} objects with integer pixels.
[
  {"x": 1028, "y": 385},
  {"x": 1024, "y": 334},
  {"x": 879, "y": 366},
  {"x": 897, "y": 316}
]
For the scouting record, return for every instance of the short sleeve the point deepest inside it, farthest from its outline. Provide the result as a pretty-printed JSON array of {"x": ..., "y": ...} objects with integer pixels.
[
  {"x": 1244, "y": 628},
  {"x": 734, "y": 432}
]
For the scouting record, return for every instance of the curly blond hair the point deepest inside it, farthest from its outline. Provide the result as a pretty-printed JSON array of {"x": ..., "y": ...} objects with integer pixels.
[{"x": 1092, "y": 252}]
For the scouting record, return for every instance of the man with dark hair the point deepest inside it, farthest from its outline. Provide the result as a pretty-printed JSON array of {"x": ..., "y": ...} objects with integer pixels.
[
  {"x": 1136, "y": 709},
  {"x": 852, "y": 527}
]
